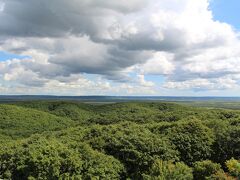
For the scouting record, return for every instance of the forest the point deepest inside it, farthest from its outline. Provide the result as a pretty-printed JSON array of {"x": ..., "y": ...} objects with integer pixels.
[{"x": 125, "y": 140}]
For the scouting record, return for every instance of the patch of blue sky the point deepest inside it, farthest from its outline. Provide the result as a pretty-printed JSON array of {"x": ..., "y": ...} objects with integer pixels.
[
  {"x": 226, "y": 11},
  {"x": 7, "y": 56},
  {"x": 157, "y": 79},
  {"x": 91, "y": 77}
]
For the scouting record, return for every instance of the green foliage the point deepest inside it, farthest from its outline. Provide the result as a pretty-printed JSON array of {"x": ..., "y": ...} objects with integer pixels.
[
  {"x": 233, "y": 166},
  {"x": 75, "y": 111},
  {"x": 166, "y": 170},
  {"x": 17, "y": 122},
  {"x": 42, "y": 158},
  {"x": 221, "y": 175},
  {"x": 135, "y": 146},
  {"x": 227, "y": 144},
  {"x": 192, "y": 139},
  {"x": 118, "y": 112},
  {"x": 136, "y": 140},
  {"x": 206, "y": 169}
]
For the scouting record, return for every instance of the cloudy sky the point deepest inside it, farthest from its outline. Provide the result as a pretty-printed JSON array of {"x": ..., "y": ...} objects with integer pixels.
[{"x": 127, "y": 47}]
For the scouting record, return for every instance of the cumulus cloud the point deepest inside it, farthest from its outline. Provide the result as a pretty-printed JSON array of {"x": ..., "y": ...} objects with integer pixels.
[
  {"x": 143, "y": 82},
  {"x": 61, "y": 17},
  {"x": 200, "y": 84},
  {"x": 160, "y": 64},
  {"x": 65, "y": 40}
]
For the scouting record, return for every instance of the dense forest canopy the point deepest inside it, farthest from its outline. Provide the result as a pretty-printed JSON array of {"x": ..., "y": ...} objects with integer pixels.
[{"x": 132, "y": 140}]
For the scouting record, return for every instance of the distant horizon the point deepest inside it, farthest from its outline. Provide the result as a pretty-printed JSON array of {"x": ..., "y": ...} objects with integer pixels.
[
  {"x": 105, "y": 98},
  {"x": 94, "y": 95}
]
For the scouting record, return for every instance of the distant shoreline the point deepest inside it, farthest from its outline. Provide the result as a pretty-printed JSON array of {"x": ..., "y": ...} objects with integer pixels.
[{"x": 115, "y": 98}]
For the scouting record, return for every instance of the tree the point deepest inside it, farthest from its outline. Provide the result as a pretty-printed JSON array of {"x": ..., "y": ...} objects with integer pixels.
[
  {"x": 166, "y": 170},
  {"x": 192, "y": 139},
  {"x": 203, "y": 170},
  {"x": 233, "y": 166}
]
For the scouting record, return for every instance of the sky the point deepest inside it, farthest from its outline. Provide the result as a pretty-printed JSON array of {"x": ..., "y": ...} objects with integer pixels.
[
  {"x": 226, "y": 11},
  {"x": 127, "y": 47}
]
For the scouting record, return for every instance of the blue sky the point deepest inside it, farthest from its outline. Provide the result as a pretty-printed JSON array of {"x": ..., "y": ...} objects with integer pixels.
[
  {"x": 227, "y": 11},
  {"x": 145, "y": 47},
  {"x": 7, "y": 56}
]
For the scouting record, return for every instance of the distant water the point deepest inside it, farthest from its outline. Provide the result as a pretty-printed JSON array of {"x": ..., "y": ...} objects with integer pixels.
[{"x": 4, "y": 98}]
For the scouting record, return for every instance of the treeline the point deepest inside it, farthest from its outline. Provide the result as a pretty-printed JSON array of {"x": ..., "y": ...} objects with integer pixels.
[{"x": 118, "y": 141}]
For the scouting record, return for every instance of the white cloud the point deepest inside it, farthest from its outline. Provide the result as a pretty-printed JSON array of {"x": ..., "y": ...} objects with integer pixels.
[
  {"x": 200, "y": 84},
  {"x": 110, "y": 39},
  {"x": 135, "y": 90},
  {"x": 143, "y": 82},
  {"x": 160, "y": 64}
]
